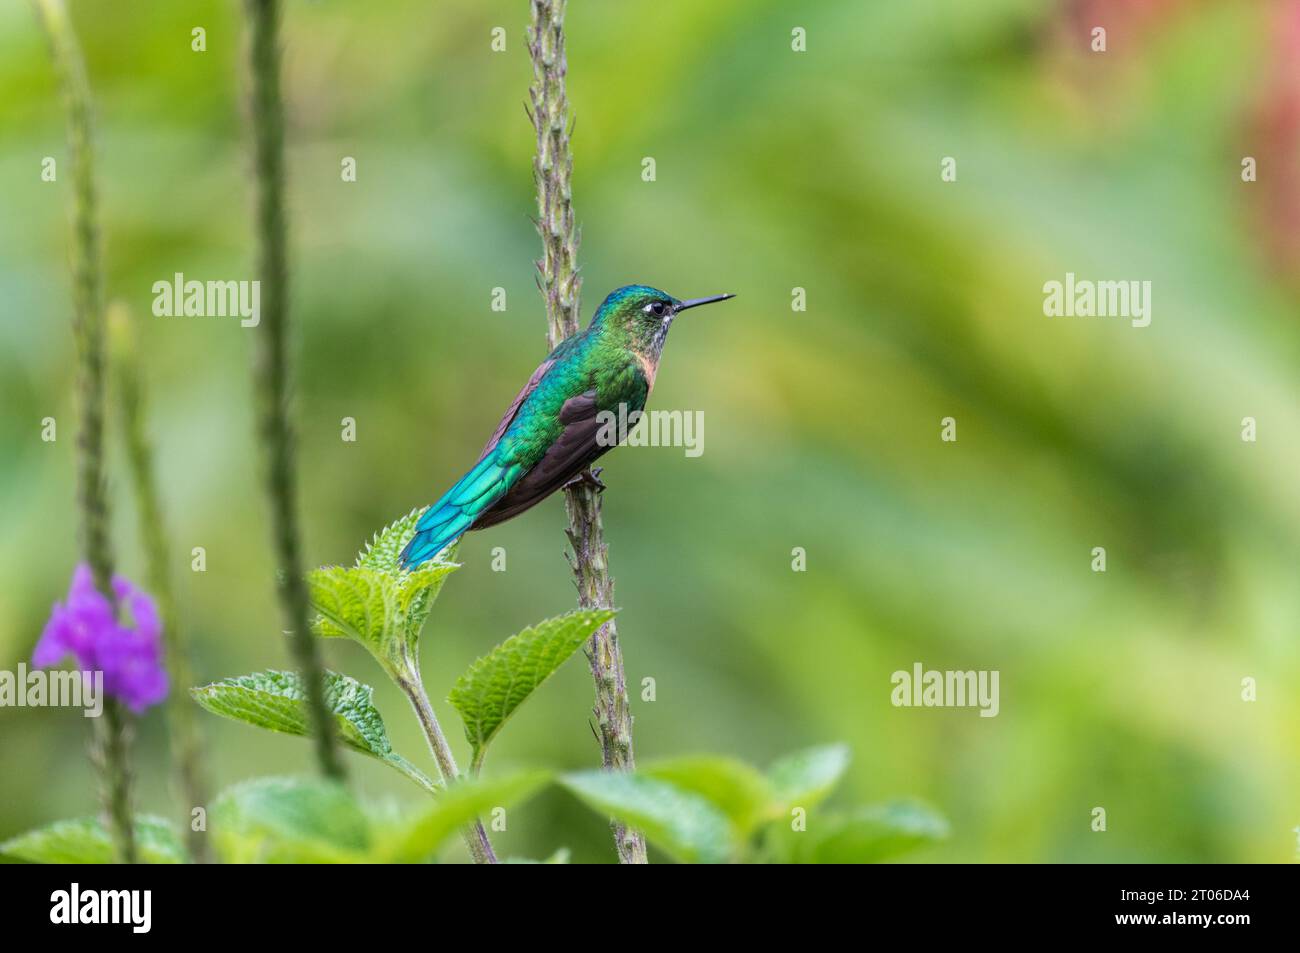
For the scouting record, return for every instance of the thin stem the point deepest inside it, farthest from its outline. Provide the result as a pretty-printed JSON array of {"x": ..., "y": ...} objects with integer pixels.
[
  {"x": 113, "y": 735},
  {"x": 557, "y": 269},
  {"x": 184, "y": 735},
  {"x": 476, "y": 838},
  {"x": 560, "y": 284},
  {"x": 416, "y": 775},
  {"x": 271, "y": 368},
  {"x": 111, "y": 755}
]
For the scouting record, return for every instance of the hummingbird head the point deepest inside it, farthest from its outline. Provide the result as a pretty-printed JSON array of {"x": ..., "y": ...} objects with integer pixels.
[{"x": 646, "y": 314}]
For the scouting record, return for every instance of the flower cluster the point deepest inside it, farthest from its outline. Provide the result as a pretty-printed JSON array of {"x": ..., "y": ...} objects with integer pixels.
[{"x": 128, "y": 650}]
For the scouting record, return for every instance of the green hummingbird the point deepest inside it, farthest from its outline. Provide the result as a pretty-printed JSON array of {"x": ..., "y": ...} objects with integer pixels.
[{"x": 553, "y": 430}]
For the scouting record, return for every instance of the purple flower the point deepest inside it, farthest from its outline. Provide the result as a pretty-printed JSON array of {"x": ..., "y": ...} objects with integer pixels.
[{"x": 130, "y": 656}]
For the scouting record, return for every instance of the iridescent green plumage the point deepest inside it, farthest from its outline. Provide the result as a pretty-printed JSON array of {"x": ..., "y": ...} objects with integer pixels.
[{"x": 553, "y": 430}]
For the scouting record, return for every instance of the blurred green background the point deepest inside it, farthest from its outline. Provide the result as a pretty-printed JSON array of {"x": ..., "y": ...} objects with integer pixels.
[{"x": 775, "y": 170}]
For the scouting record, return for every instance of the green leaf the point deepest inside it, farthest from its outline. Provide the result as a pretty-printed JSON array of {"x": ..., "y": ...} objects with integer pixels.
[
  {"x": 376, "y": 602},
  {"x": 353, "y": 603},
  {"x": 384, "y": 552},
  {"x": 416, "y": 592},
  {"x": 865, "y": 835},
  {"x": 420, "y": 586},
  {"x": 289, "y": 821},
  {"x": 804, "y": 778},
  {"x": 739, "y": 790},
  {"x": 499, "y": 682},
  {"x": 684, "y": 824},
  {"x": 278, "y": 701},
  {"x": 419, "y": 837},
  {"x": 382, "y": 611},
  {"x": 85, "y": 841}
]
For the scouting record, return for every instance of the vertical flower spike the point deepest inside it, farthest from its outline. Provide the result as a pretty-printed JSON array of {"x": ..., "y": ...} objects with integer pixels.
[
  {"x": 560, "y": 284},
  {"x": 112, "y": 732},
  {"x": 271, "y": 367}
]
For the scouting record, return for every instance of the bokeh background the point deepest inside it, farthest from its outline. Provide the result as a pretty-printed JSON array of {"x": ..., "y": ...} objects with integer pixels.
[{"x": 775, "y": 170}]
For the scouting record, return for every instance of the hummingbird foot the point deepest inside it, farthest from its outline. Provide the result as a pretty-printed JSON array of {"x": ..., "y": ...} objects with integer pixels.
[{"x": 590, "y": 478}]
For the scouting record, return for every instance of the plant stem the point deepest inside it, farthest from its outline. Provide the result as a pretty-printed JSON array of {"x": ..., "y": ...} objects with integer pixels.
[
  {"x": 271, "y": 370},
  {"x": 560, "y": 285},
  {"x": 476, "y": 837},
  {"x": 557, "y": 269},
  {"x": 111, "y": 754},
  {"x": 184, "y": 735},
  {"x": 113, "y": 748}
]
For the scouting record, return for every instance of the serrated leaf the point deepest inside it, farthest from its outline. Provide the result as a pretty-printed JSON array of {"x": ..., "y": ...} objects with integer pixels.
[
  {"x": 353, "y": 603},
  {"x": 382, "y": 611},
  {"x": 499, "y": 682},
  {"x": 734, "y": 787},
  {"x": 289, "y": 821},
  {"x": 866, "y": 835},
  {"x": 419, "y": 837},
  {"x": 384, "y": 552},
  {"x": 416, "y": 592},
  {"x": 804, "y": 778},
  {"x": 682, "y": 823},
  {"x": 84, "y": 840},
  {"x": 278, "y": 701}
]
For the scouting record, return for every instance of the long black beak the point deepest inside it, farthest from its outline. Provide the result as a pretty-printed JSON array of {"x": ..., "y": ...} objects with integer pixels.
[{"x": 696, "y": 302}]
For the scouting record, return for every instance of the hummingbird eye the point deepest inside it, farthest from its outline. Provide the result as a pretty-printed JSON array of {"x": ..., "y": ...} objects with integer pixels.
[{"x": 657, "y": 308}]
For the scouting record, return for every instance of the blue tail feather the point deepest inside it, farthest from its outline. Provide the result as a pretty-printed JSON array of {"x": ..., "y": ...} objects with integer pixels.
[{"x": 448, "y": 519}]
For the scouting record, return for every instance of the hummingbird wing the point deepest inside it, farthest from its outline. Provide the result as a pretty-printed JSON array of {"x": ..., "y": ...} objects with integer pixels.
[
  {"x": 513, "y": 410},
  {"x": 446, "y": 520},
  {"x": 509, "y": 479},
  {"x": 571, "y": 453}
]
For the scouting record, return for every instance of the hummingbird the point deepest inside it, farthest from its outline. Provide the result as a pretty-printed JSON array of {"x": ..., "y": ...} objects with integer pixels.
[{"x": 552, "y": 431}]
